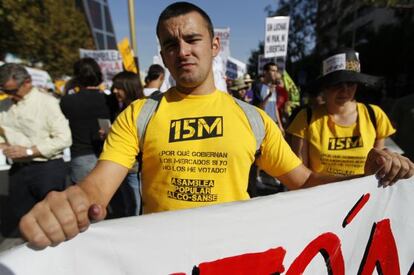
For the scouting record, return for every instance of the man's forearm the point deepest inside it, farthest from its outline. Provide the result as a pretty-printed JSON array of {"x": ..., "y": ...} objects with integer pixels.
[
  {"x": 316, "y": 179},
  {"x": 103, "y": 181}
]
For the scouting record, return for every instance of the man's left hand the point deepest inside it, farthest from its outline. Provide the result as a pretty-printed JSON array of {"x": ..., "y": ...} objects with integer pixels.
[
  {"x": 388, "y": 166},
  {"x": 15, "y": 152}
]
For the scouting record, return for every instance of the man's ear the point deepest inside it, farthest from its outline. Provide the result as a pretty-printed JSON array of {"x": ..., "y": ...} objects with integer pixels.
[
  {"x": 28, "y": 82},
  {"x": 162, "y": 57},
  {"x": 215, "y": 45}
]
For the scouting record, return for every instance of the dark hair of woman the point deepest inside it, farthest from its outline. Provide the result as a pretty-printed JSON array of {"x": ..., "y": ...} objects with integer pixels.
[{"x": 130, "y": 83}]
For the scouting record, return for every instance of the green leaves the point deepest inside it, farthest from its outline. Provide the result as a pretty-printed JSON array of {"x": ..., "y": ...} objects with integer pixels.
[{"x": 48, "y": 31}]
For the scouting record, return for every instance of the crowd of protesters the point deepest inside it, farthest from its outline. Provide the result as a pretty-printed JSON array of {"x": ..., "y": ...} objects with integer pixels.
[{"x": 94, "y": 180}]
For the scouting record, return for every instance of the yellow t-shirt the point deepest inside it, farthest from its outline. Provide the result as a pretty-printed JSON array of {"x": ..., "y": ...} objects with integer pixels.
[
  {"x": 336, "y": 149},
  {"x": 197, "y": 150}
]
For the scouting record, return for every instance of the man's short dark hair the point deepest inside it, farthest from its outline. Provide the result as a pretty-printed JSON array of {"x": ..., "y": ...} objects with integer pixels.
[
  {"x": 154, "y": 72},
  {"x": 181, "y": 8},
  {"x": 267, "y": 66},
  {"x": 87, "y": 72}
]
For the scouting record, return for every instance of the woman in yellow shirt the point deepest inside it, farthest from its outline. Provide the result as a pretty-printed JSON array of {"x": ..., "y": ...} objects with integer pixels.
[{"x": 336, "y": 137}]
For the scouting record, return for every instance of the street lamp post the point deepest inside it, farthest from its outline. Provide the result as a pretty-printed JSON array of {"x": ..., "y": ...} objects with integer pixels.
[{"x": 131, "y": 9}]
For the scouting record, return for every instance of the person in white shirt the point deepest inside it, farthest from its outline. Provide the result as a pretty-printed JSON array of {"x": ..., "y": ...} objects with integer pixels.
[
  {"x": 33, "y": 134},
  {"x": 154, "y": 79}
]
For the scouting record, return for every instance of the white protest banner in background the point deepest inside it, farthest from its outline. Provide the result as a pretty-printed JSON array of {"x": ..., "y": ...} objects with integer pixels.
[
  {"x": 224, "y": 36},
  {"x": 352, "y": 227},
  {"x": 276, "y": 36},
  {"x": 220, "y": 62},
  {"x": 235, "y": 68},
  {"x": 40, "y": 78},
  {"x": 110, "y": 62}
]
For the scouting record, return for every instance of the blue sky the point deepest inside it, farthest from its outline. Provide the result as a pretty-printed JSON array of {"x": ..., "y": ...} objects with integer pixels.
[{"x": 246, "y": 20}]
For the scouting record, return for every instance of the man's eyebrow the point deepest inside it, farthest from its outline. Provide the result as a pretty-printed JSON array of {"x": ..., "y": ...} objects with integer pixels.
[
  {"x": 192, "y": 35},
  {"x": 172, "y": 39}
]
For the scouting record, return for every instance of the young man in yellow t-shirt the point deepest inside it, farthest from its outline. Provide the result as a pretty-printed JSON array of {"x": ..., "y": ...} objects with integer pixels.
[{"x": 195, "y": 128}]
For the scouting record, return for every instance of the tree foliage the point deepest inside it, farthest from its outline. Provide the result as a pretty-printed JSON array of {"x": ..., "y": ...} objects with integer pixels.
[
  {"x": 49, "y": 32},
  {"x": 389, "y": 52},
  {"x": 404, "y": 4},
  {"x": 252, "y": 63}
]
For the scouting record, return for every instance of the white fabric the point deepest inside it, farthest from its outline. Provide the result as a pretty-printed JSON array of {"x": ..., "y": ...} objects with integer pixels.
[
  {"x": 149, "y": 91},
  {"x": 176, "y": 241},
  {"x": 270, "y": 106},
  {"x": 276, "y": 36}
]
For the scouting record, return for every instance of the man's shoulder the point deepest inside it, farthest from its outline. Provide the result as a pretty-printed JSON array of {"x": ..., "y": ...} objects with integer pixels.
[{"x": 44, "y": 96}]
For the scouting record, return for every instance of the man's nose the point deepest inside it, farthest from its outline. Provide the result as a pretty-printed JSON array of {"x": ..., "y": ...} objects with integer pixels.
[{"x": 184, "y": 49}]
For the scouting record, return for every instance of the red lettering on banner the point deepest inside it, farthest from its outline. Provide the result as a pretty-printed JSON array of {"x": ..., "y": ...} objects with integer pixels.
[
  {"x": 381, "y": 251},
  {"x": 355, "y": 210},
  {"x": 268, "y": 262},
  {"x": 329, "y": 245}
]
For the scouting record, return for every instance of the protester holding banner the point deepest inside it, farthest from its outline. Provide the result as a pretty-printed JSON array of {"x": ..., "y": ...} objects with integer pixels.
[
  {"x": 83, "y": 109},
  {"x": 336, "y": 137},
  {"x": 198, "y": 145}
]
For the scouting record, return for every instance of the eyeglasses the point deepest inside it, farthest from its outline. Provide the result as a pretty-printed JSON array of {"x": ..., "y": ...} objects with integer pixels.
[{"x": 9, "y": 91}]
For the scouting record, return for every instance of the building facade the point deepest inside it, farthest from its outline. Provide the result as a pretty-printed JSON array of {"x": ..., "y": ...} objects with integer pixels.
[{"x": 100, "y": 22}]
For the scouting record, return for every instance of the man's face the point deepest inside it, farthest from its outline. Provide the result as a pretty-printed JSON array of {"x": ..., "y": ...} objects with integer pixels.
[
  {"x": 14, "y": 91},
  {"x": 187, "y": 49},
  {"x": 271, "y": 74}
]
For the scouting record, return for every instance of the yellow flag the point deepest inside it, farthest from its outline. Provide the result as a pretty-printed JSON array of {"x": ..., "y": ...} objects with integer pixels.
[
  {"x": 127, "y": 56},
  {"x": 293, "y": 91}
]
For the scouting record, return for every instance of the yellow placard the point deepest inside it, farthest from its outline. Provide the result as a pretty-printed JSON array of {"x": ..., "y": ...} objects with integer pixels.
[{"x": 127, "y": 55}]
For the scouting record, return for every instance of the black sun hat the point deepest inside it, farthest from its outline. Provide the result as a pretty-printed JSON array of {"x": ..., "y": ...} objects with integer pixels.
[{"x": 344, "y": 66}]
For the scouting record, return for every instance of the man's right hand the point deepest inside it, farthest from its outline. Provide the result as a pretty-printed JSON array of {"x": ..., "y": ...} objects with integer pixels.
[{"x": 59, "y": 217}]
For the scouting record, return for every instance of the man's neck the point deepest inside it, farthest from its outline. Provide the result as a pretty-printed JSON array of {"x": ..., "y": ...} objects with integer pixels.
[
  {"x": 153, "y": 85},
  {"x": 20, "y": 97},
  {"x": 205, "y": 88}
]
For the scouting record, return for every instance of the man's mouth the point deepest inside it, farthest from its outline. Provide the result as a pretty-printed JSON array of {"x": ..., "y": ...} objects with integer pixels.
[{"x": 185, "y": 65}]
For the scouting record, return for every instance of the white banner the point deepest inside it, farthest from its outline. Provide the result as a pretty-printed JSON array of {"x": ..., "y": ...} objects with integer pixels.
[
  {"x": 40, "y": 78},
  {"x": 224, "y": 35},
  {"x": 235, "y": 68},
  {"x": 110, "y": 62},
  {"x": 276, "y": 41},
  {"x": 349, "y": 227}
]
